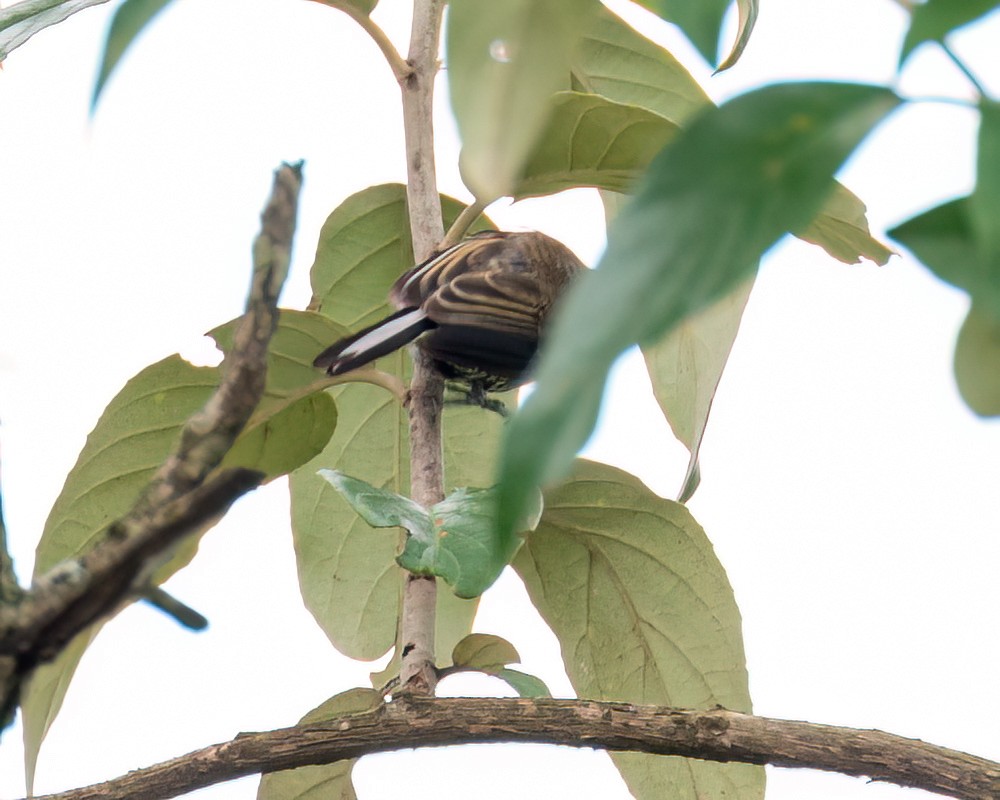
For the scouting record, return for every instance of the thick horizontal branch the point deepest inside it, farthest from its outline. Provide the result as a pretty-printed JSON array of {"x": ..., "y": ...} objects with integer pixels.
[
  {"x": 185, "y": 495},
  {"x": 716, "y": 735}
]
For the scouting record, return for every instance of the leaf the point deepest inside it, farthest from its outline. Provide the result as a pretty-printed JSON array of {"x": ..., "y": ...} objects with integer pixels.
[
  {"x": 686, "y": 366},
  {"x": 287, "y": 437},
  {"x": 484, "y": 650},
  {"x": 592, "y": 141},
  {"x": 347, "y": 571},
  {"x": 364, "y": 6},
  {"x": 943, "y": 240},
  {"x": 984, "y": 203},
  {"x": 643, "y": 612},
  {"x": 324, "y": 781},
  {"x": 300, "y": 335},
  {"x": 841, "y": 229},
  {"x": 764, "y": 163},
  {"x": 465, "y": 548},
  {"x": 747, "y": 19},
  {"x": 617, "y": 62},
  {"x": 700, "y": 21},
  {"x": 505, "y": 59},
  {"x": 129, "y": 20},
  {"x": 42, "y": 697},
  {"x": 620, "y": 64},
  {"x": 380, "y": 508},
  {"x": 977, "y": 362},
  {"x": 934, "y": 19},
  {"x": 521, "y": 682}
]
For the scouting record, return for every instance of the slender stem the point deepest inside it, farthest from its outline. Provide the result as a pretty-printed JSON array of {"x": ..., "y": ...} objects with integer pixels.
[
  {"x": 964, "y": 69},
  {"x": 417, "y": 672},
  {"x": 398, "y": 66},
  {"x": 462, "y": 223}
]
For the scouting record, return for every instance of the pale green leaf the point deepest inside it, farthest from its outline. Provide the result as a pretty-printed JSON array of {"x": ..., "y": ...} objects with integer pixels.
[
  {"x": 484, "y": 650},
  {"x": 763, "y": 163},
  {"x": 592, "y": 141},
  {"x": 747, "y": 19},
  {"x": 841, "y": 229},
  {"x": 505, "y": 59},
  {"x": 977, "y": 362},
  {"x": 643, "y": 612},
  {"x": 129, "y": 20},
  {"x": 286, "y": 437},
  {"x": 617, "y": 62},
  {"x": 685, "y": 368},
  {"x": 933, "y": 20},
  {"x": 324, "y": 781}
]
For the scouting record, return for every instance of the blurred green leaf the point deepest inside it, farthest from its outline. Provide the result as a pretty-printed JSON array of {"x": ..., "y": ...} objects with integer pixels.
[
  {"x": 701, "y": 21},
  {"x": 934, "y": 19},
  {"x": 482, "y": 650},
  {"x": 129, "y": 20},
  {"x": 685, "y": 368},
  {"x": 325, "y": 781},
  {"x": 644, "y": 613},
  {"x": 521, "y": 682},
  {"x": 943, "y": 240},
  {"x": 984, "y": 202},
  {"x": 763, "y": 163},
  {"x": 364, "y": 6},
  {"x": 592, "y": 141},
  {"x": 977, "y": 362},
  {"x": 505, "y": 59}
]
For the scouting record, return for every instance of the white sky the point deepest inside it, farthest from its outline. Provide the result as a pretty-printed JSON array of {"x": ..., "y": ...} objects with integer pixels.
[{"x": 849, "y": 493}]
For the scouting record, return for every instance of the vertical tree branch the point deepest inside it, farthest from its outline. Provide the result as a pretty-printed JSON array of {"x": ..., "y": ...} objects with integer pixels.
[{"x": 417, "y": 673}]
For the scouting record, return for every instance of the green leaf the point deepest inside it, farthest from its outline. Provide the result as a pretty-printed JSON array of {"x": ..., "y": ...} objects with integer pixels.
[
  {"x": 42, "y": 697},
  {"x": 364, "y": 6},
  {"x": 521, "y": 682},
  {"x": 616, "y": 62},
  {"x": 942, "y": 238},
  {"x": 300, "y": 335},
  {"x": 381, "y": 508},
  {"x": 934, "y": 19},
  {"x": 592, "y": 141},
  {"x": 763, "y": 163},
  {"x": 701, "y": 21},
  {"x": 644, "y": 613},
  {"x": 465, "y": 548},
  {"x": 484, "y": 650},
  {"x": 505, "y": 59},
  {"x": 685, "y": 368},
  {"x": 288, "y": 436},
  {"x": 347, "y": 571},
  {"x": 325, "y": 781},
  {"x": 977, "y": 362},
  {"x": 129, "y": 20},
  {"x": 984, "y": 203},
  {"x": 747, "y": 19},
  {"x": 841, "y": 229}
]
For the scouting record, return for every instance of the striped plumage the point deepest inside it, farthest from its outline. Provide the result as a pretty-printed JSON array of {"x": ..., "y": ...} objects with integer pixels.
[{"x": 479, "y": 309}]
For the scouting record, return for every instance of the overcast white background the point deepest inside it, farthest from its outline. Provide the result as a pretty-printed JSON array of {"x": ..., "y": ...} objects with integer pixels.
[{"x": 851, "y": 496}]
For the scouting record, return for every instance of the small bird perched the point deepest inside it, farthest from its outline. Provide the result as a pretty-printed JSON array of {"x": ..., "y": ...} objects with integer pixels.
[{"x": 479, "y": 309}]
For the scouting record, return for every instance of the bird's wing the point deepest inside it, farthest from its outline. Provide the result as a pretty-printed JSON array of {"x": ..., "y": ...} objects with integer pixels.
[{"x": 494, "y": 299}]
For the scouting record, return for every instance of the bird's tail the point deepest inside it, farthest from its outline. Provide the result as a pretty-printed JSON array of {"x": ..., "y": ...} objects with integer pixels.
[{"x": 374, "y": 342}]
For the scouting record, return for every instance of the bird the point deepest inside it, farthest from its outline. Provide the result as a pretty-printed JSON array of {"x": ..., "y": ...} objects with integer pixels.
[{"x": 478, "y": 308}]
